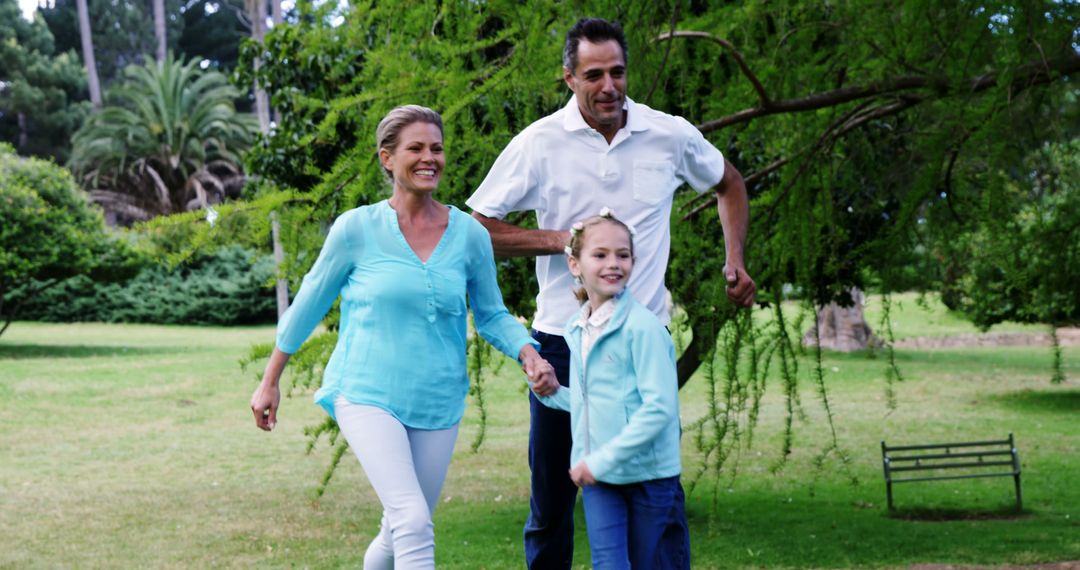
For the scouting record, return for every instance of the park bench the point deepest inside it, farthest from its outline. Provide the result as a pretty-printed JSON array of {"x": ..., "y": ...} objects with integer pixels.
[{"x": 958, "y": 460}]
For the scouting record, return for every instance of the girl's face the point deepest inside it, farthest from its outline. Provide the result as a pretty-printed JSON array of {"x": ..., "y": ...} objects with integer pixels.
[
  {"x": 605, "y": 262},
  {"x": 418, "y": 161}
]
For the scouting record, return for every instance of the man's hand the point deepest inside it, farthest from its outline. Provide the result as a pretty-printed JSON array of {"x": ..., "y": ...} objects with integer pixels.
[
  {"x": 733, "y": 206},
  {"x": 581, "y": 475},
  {"x": 740, "y": 287}
]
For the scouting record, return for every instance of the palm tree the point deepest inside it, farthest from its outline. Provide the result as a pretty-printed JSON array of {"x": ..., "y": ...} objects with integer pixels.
[{"x": 169, "y": 144}]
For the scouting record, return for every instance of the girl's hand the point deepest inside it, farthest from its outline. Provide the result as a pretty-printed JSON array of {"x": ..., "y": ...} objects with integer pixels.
[
  {"x": 542, "y": 378},
  {"x": 581, "y": 476},
  {"x": 545, "y": 385},
  {"x": 264, "y": 404}
]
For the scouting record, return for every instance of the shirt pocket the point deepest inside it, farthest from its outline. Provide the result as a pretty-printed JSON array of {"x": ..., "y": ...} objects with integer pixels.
[
  {"x": 652, "y": 181},
  {"x": 450, "y": 294}
]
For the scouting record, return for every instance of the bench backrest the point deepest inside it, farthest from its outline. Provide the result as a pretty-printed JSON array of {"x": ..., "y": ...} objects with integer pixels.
[{"x": 956, "y": 460}]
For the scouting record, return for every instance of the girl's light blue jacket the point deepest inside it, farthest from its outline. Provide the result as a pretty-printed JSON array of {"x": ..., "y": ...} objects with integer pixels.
[{"x": 624, "y": 406}]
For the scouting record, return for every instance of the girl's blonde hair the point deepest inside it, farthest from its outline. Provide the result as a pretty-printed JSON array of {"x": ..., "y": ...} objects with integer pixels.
[
  {"x": 577, "y": 241},
  {"x": 386, "y": 134}
]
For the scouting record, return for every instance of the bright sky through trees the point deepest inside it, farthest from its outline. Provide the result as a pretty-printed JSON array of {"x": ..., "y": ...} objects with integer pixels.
[{"x": 28, "y": 7}]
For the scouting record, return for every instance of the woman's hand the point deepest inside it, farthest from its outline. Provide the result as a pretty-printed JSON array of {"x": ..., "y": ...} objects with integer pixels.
[
  {"x": 541, "y": 373},
  {"x": 581, "y": 476},
  {"x": 267, "y": 397},
  {"x": 264, "y": 404}
]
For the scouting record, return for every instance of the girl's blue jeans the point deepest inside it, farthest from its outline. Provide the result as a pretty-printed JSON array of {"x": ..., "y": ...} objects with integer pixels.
[{"x": 638, "y": 525}]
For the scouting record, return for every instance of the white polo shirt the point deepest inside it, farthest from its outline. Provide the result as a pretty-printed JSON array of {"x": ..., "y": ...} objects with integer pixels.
[{"x": 566, "y": 171}]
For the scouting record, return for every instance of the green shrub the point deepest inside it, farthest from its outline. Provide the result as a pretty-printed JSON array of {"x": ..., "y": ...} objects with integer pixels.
[
  {"x": 48, "y": 230},
  {"x": 226, "y": 287}
]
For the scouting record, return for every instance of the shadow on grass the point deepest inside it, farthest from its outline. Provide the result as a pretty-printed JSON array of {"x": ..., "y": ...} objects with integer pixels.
[
  {"x": 31, "y": 351},
  {"x": 947, "y": 515},
  {"x": 1056, "y": 401}
]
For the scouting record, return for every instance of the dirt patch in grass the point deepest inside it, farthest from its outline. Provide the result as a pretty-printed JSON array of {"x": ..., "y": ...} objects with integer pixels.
[
  {"x": 1067, "y": 336},
  {"x": 1067, "y": 565}
]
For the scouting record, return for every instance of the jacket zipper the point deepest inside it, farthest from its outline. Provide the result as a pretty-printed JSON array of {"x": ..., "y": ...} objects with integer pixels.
[{"x": 585, "y": 382}]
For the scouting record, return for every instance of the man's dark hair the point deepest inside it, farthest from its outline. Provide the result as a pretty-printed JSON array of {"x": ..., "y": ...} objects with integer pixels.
[{"x": 595, "y": 30}]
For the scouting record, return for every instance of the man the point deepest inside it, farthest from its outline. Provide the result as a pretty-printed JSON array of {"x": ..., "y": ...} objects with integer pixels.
[{"x": 601, "y": 149}]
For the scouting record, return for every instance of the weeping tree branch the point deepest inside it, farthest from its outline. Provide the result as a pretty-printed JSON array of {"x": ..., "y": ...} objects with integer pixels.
[
  {"x": 900, "y": 98},
  {"x": 667, "y": 53},
  {"x": 752, "y": 179},
  {"x": 827, "y": 141},
  {"x": 1031, "y": 73},
  {"x": 763, "y": 97},
  {"x": 1027, "y": 75},
  {"x": 845, "y": 124}
]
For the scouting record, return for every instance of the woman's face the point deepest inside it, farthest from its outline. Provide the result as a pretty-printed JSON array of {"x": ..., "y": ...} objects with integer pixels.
[{"x": 418, "y": 161}]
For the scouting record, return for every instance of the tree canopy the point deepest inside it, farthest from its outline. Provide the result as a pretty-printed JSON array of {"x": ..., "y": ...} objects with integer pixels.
[
  {"x": 42, "y": 88},
  {"x": 859, "y": 130},
  {"x": 1022, "y": 250},
  {"x": 851, "y": 125},
  {"x": 123, "y": 32}
]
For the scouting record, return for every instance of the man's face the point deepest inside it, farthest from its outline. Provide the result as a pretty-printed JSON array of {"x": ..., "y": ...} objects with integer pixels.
[{"x": 599, "y": 82}]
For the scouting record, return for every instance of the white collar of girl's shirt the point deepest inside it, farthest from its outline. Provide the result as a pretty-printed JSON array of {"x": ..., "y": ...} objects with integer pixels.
[{"x": 600, "y": 316}]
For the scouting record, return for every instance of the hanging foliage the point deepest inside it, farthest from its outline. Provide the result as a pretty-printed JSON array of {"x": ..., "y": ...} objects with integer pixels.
[{"x": 856, "y": 129}]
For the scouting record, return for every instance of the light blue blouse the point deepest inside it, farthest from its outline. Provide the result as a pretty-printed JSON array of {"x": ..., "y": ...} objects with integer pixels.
[{"x": 401, "y": 342}]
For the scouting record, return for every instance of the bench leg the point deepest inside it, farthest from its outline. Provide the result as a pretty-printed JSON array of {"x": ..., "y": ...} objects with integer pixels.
[
  {"x": 1019, "y": 497},
  {"x": 888, "y": 493}
]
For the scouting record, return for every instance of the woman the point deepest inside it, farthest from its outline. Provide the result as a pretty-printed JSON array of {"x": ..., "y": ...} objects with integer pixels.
[{"x": 397, "y": 380}]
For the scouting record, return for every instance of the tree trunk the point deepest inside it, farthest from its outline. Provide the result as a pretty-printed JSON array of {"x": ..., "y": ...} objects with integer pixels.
[
  {"x": 24, "y": 131},
  {"x": 842, "y": 329},
  {"x": 257, "y": 14},
  {"x": 276, "y": 17},
  {"x": 159, "y": 29},
  {"x": 275, "y": 12},
  {"x": 282, "y": 288},
  {"x": 88, "y": 54},
  {"x": 702, "y": 342}
]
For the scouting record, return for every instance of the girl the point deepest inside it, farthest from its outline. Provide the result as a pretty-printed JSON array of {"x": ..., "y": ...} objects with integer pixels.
[
  {"x": 624, "y": 409},
  {"x": 396, "y": 382}
]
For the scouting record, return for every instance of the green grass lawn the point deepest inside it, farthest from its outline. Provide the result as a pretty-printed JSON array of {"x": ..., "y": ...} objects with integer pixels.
[{"x": 126, "y": 446}]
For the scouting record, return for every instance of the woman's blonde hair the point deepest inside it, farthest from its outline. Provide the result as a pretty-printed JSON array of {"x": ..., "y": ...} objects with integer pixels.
[
  {"x": 577, "y": 241},
  {"x": 386, "y": 134}
]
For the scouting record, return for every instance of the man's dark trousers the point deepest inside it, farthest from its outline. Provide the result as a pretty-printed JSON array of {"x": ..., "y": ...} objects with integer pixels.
[{"x": 549, "y": 532}]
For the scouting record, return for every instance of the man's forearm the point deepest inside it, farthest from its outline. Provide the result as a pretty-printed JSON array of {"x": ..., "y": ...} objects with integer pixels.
[
  {"x": 509, "y": 240},
  {"x": 734, "y": 208}
]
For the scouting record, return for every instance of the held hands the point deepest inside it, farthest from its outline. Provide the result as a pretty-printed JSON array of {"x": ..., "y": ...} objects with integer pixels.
[
  {"x": 541, "y": 373},
  {"x": 740, "y": 287},
  {"x": 581, "y": 476}
]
